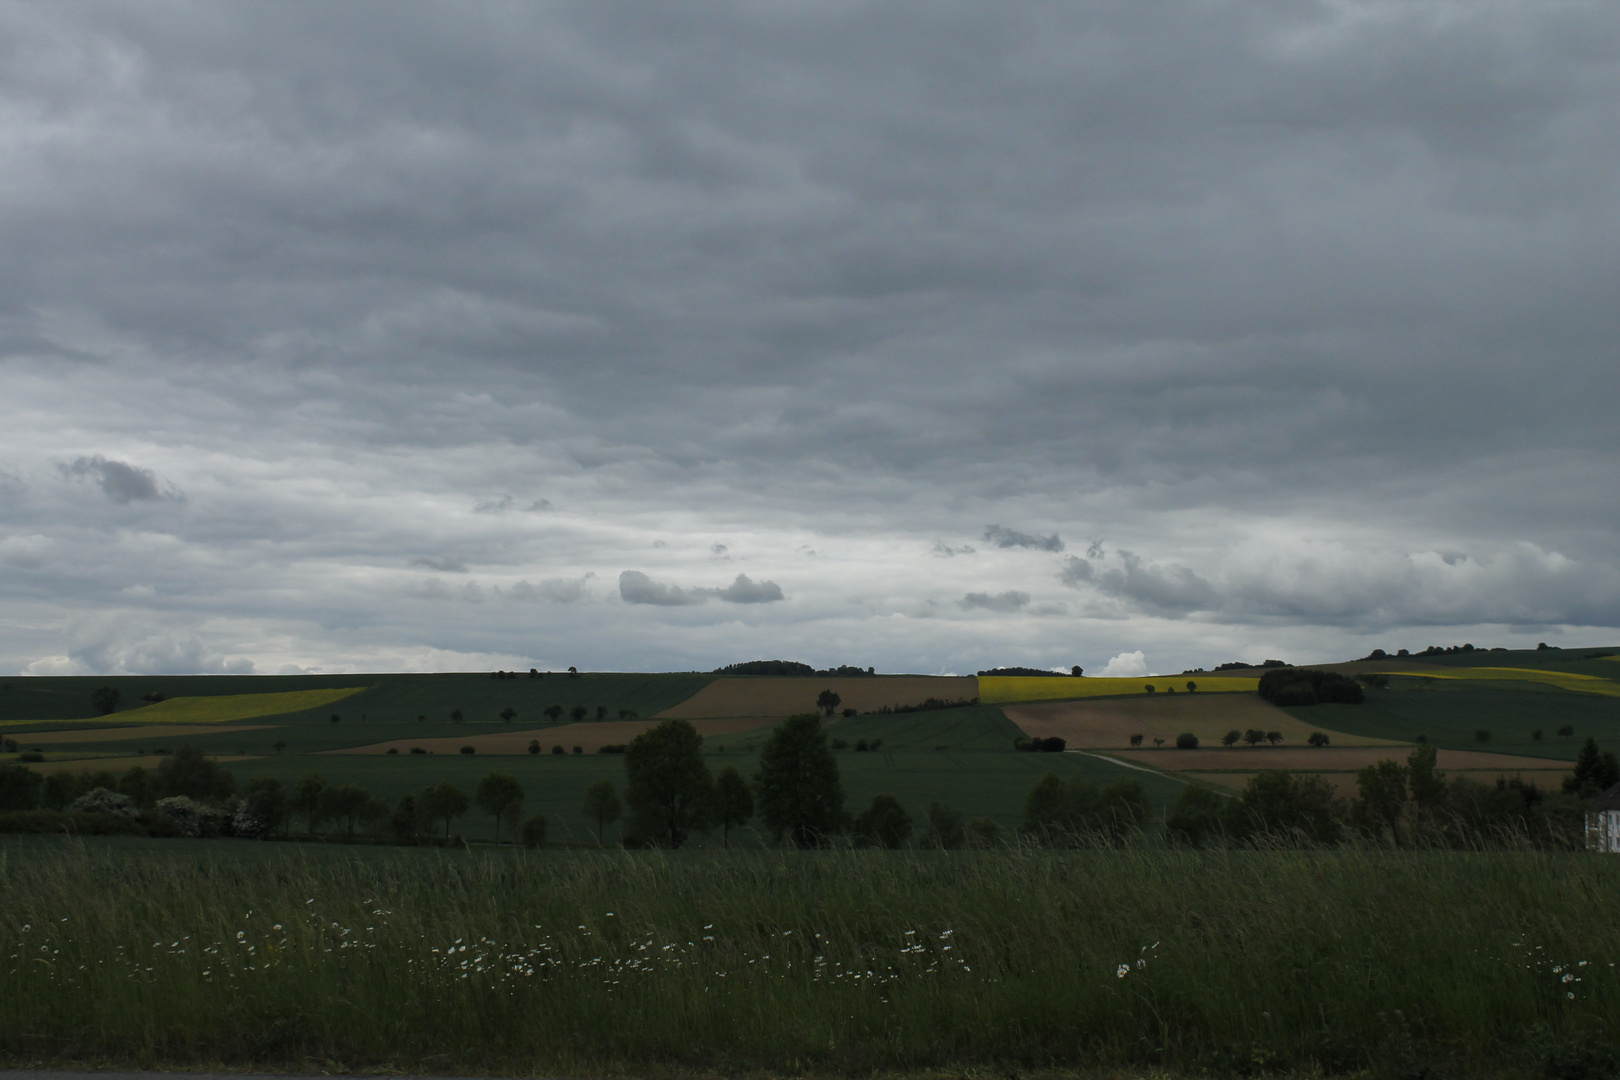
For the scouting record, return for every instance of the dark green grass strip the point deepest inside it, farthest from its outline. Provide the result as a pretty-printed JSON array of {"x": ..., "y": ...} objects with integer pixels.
[{"x": 836, "y": 962}]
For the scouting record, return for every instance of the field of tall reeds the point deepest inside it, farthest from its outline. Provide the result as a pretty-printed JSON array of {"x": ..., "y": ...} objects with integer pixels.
[{"x": 837, "y": 962}]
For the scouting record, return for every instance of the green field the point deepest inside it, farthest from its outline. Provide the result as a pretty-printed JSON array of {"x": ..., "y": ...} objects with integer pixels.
[{"x": 1139, "y": 962}]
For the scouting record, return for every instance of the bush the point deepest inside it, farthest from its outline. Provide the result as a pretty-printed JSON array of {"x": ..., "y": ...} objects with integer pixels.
[
  {"x": 945, "y": 829},
  {"x": 1059, "y": 812},
  {"x": 534, "y": 831},
  {"x": 534, "y": 746},
  {"x": 19, "y": 788},
  {"x": 1186, "y": 741},
  {"x": 190, "y": 817},
  {"x": 1195, "y": 818},
  {"x": 1318, "y": 738},
  {"x": 1277, "y": 803},
  {"x": 558, "y": 750},
  {"x": 102, "y": 801},
  {"x": 469, "y": 750},
  {"x": 58, "y": 822},
  {"x": 884, "y": 824}
]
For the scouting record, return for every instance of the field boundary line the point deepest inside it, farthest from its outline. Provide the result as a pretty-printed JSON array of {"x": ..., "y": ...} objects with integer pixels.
[{"x": 1129, "y": 765}]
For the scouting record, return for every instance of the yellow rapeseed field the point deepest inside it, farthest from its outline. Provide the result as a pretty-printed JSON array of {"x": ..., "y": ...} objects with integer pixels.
[
  {"x": 1564, "y": 680},
  {"x": 1000, "y": 689},
  {"x": 214, "y": 710}
]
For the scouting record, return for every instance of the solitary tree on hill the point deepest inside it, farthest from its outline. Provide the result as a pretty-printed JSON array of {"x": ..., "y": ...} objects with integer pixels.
[
  {"x": 105, "y": 699},
  {"x": 827, "y": 701}
]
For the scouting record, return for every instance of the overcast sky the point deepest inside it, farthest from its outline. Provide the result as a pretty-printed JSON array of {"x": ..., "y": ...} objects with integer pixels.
[{"x": 378, "y": 336}]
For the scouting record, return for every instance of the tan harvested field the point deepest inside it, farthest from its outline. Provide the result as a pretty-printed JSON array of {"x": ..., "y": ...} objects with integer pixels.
[
  {"x": 1323, "y": 759},
  {"x": 589, "y": 737},
  {"x": 780, "y": 697},
  {"x": 130, "y": 733},
  {"x": 1345, "y": 782},
  {"x": 1109, "y": 723},
  {"x": 119, "y": 764}
]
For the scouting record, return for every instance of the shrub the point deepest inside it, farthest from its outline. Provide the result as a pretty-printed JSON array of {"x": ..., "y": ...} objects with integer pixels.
[
  {"x": 945, "y": 829},
  {"x": 534, "y": 831},
  {"x": 469, "y": 750},
  {"x": 1318, "y": 738},
  {"x": 840, "y": 744},
  {"x": 579, "y": 749},
  {"x": 1059, "y": 812},
  {"x": 1483, "y": 735},
  {"x": 102, "y": 801},
  {"x": 1186, "y": 741},
  {"x": 1279, "y": 804},
  {"x": 190, "y": 817},
  {"x": 31, "y": 757},
  {"x": 1194, "y": 818},
  {"x": 393, "y": 749},
  {"x": 984, "y": 832},
  {"x": 884, "y": 824},
  {"x": 534, "y": 746},
  {"x": 1052, "y": 744},
  {"x": 417, "y": 750},
  {"x": 558, "y": 750}
]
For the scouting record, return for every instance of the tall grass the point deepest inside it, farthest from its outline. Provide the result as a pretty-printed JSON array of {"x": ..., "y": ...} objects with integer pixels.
[{"x": 824, "y": 962}]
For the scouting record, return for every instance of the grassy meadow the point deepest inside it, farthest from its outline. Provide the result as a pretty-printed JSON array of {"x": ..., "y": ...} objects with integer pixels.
[{"x": 1153, "y": 962}]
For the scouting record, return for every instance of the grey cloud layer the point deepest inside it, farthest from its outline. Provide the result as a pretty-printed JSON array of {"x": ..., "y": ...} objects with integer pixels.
[{"x": 1292, "y": 303}]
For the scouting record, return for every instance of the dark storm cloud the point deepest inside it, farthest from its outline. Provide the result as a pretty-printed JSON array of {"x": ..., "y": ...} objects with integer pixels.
[
  {"x": 1293, "y": 302},
  {"x": 637, "y": 588},
  {"x": 1011, "y": 538},
  {"x": 121, "y": 482},
  {"x": 1009, "y": 601}
]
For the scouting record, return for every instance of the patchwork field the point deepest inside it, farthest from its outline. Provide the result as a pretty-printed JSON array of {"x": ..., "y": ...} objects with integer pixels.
[
  {"x": 1110, "y": 722},
  {"x": 1564, "y": 680},
  {"x": 779, "y": 697},
  {"x": 1317, "y": 759},
  {"x": 1001, "y": 689},
  {"x": 589, "y": 737},
  {"x": 127, "y": 733}
]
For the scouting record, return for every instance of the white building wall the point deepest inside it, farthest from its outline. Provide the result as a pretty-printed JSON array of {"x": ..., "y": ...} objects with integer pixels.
[{"x": 1603, "y": 831}]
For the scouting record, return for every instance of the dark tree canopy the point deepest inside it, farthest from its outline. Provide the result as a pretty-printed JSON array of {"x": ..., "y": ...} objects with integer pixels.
[
  {"x": 884, "y": 824},
  {"x": 190, "y": 772},
  {"x": 105, "y": 699},
  {"x": 666, "y": 783},
  {"x": 733, "y": 802},
  {"x": 800, "y": 795},
  {"x": 500, "y": 796},
  {"x": 1303, "y": 686}
]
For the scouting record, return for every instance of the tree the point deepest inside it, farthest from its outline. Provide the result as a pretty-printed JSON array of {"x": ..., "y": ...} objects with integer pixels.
[
  {"x": 500, "y": 796},
  {"x": 1191, "y": 686},
  {"x": 105, "y": 699},
  {"x": 406, "y": 820},
  {"x": 1318, "y": 738},
  {"x": 1136, "y": 740},
  {"x": 945, "y": 829},
  {"x": 508, "y": 714},
  {"x": 602, "y": 805},
  {"x": 884, "y": 824},
  {"x": 534, "y": 746},
  {"x": 554, "y": 713},
  {"x": 601, "y": 713},
  {"x": 444, "y": 800},
  {"x": 1195, "y": 817},
  {"x": 1274, "y": 737},
  {"x": 1185, "y": 741},
  {"x": 666, "y": 783},
  {"x": 279, "y": 745},
  {"x": 1382, "y": 803},
  {"x": 19, "y": 787},
  {"x": 800, "y": 795},
  {"x": 306, "y": 797},
  {"x": 1279, "y": 803},
  {"x": 578, "y": 713},
  {"x": 1594, "y": 773},
  {"x": 534, "y": 831},
  {"x": 1566, "y": 731},
  {"x": 827, "y": 701},
  {"x": 192, "y": 773},
  {"x": 455, "y": 714},
  {"x": 347, "y": 804},
  {"x": 1426, "y": 783},
  {"x": 267, "y": 801},
  {"x": 1483, "y": 735},
  {"x": 733, "y": 802},
  {"x": 1231, "y": 737},
  {"x": 1077, "y": 671},
  {"x": 1060, "y": 812}
]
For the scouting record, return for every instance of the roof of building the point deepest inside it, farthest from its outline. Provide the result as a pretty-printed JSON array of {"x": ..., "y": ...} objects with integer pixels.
[{"x": 1609, "y": 800}]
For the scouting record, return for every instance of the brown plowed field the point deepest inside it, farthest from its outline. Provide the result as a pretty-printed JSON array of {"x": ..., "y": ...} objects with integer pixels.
[
  {"x": 1345, "y": 782},
  {"x": 1109, "y": 723},
  {"x": 127, "y": 734},
  {"x": 589, "y": 737},
  {"x": 786, "y": 696},
  {"x": 1323, "y": 759}
]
